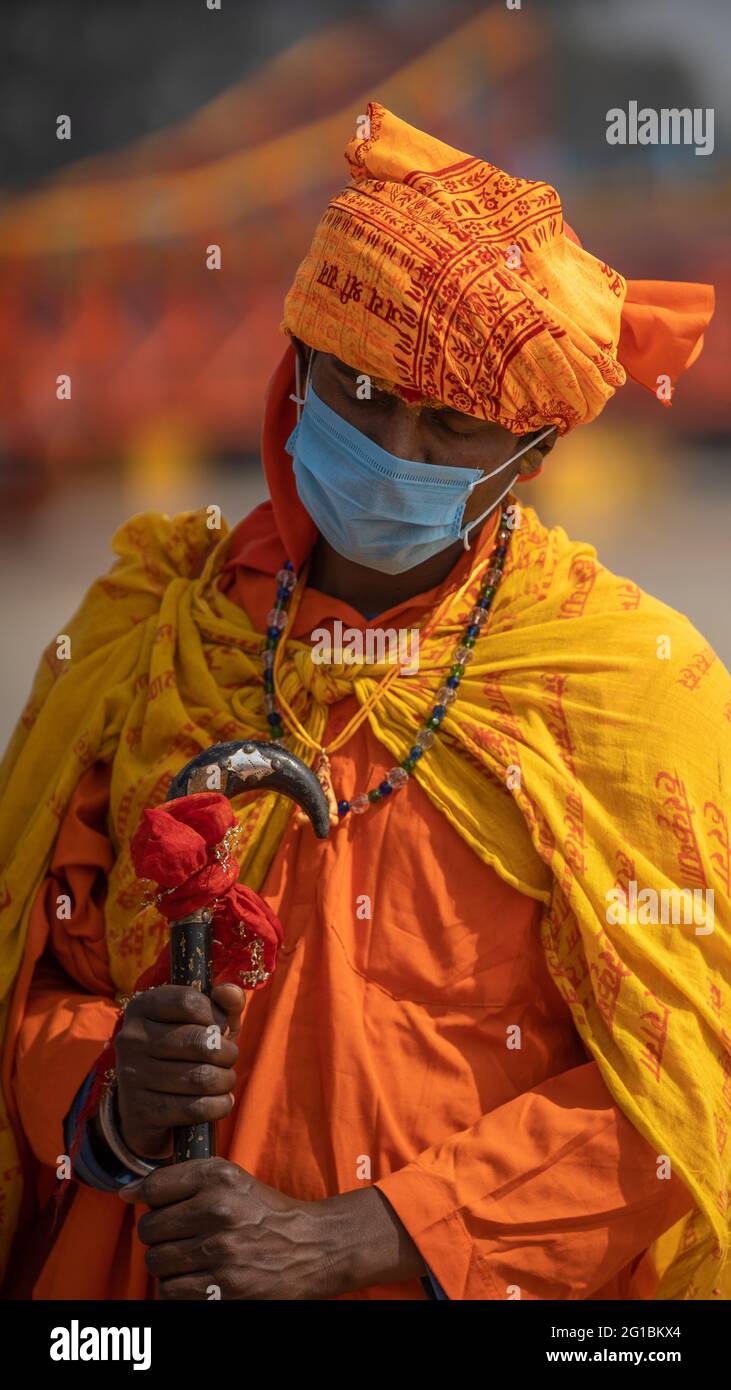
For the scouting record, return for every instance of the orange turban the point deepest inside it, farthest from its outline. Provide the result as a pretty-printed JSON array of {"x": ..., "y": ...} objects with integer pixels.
[{"x": 455, "y": 284}]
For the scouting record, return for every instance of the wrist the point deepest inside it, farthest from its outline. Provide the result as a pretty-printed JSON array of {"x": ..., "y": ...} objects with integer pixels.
[{"x": 374, "y": 1245}]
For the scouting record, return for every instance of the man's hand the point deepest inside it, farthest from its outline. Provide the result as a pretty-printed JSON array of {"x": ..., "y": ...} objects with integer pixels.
[
  {"x": 175, "y": 1055},
  {"x": 215, "y": 1231}
]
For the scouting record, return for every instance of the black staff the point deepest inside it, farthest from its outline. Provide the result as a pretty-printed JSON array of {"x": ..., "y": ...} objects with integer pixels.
[{"x": 240, "y": 767}]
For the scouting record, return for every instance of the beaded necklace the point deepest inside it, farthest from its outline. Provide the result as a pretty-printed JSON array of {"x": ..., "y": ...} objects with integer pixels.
[{"x": 279, "y": 619}]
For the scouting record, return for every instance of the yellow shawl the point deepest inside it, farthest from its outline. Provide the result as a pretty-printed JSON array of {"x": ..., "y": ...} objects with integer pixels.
[{"x": 587, "y": 750}]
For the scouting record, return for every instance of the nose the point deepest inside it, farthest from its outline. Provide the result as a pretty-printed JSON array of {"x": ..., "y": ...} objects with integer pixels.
[{"x": 398, "y": 431}]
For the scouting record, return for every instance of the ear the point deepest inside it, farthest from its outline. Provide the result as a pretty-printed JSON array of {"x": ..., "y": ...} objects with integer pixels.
[{"x": 532, "y": 461}]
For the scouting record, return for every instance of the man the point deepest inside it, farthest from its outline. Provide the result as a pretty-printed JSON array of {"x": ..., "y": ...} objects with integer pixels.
[{"x": 478, "y": 1071}]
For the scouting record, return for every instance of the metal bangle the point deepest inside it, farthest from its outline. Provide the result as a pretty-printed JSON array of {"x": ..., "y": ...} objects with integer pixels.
[{"x": 113, "y": 1138}]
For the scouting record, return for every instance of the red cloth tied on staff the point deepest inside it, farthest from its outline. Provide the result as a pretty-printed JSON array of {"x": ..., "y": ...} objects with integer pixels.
[
  {"x": 181, "y": 848},
  {"x": 178, "y": 846}
]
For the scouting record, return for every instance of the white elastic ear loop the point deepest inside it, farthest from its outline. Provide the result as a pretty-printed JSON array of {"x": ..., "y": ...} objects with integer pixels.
[
  {"x": 491, "y": 508},
  {"x": 499, "y": 469},
  {"x": 530, "y": 444},
  {"x": 297, "y": 398}
]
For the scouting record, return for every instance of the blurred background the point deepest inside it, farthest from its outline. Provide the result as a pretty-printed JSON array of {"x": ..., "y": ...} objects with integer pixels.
[{"x": 192, "y": 126}]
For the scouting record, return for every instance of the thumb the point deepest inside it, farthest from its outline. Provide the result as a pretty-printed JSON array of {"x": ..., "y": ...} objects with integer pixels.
[{"x": 230, "y": 999}]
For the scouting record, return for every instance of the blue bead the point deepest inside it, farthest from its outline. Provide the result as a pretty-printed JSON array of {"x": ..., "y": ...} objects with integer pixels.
[
  {"x": 269, "y": 680},
  {"x": 452, "y": 682},
  {"x": 473, "y": 630},
  {"x": 416, "y": 752},
  {"x": 274, "y": 632},
  {"x": 288, "y": 565},
  {"x": 484, "y": 603},
  {"x": 282, "y": 593},
  {"x": 501, "y": 551},
  {"x": 439, "y": 711},
  {"x": 384, "y": 788},
  {"x": 343, "y": 808}
]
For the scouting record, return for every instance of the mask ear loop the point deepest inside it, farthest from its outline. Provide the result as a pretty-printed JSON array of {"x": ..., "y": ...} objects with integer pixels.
[
  {"x": 491, "y": 508},
  {"x": 296, "y": 397},
  {"x": 496, "y": 503}
]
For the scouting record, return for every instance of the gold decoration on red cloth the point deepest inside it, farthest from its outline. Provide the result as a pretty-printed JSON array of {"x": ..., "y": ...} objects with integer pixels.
[{"x": 185, "y": 847}]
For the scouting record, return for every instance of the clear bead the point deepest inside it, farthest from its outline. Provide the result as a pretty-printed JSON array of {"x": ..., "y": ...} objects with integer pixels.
[
  {"x": 270, "y": 704},
  {"x": 463, "y": 655},
  {"x": 276, "y": 617},
  {"x": 478, "y": 616},
  {"x": 267, "y": 660},
  {"x": 425, "y": 738},
  {"x": 398, "y": 777},
  {"x": 359, "y": 804},
  {"x": 287, "y": 579},
  {"x": 493, "y": 576},
  {"x": 445, "y": 695}
]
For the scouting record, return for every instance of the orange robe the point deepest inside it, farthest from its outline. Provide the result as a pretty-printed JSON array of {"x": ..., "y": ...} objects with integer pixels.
[{"x": 378, "y": 1053}]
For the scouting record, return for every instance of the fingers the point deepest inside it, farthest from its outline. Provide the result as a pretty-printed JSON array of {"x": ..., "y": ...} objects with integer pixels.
[
  {"x": 187, "y": 1220},
  {"x": 174, "y": 1062},
  {"x": 178, "y": 1257},
  {"x": 189, "y": 1079},
  {"x": 156, "y": 1112},
  {"x": 167, "y": 1185},
  {"x": 189, "y": 1288},
  {"x": 183, "y": 1004},
  {"x": 230, "y": 1000},
  {"x": 182, "y": 1042},
  {"x": 171, "y": 1004},
  {"x": 151, "y": 1013}
]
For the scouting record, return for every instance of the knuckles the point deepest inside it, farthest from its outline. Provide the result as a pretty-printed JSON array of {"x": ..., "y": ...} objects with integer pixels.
[
  {"x": 223, "y": 1173},
  {"x": 218, "y": 1247},
  {"x": 226, "y": 1213},
  {"x": 193, "y": 1005}
]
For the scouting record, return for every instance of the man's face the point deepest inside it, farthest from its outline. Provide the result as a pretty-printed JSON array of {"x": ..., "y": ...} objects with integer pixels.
[{"x": 442, "y": 437}]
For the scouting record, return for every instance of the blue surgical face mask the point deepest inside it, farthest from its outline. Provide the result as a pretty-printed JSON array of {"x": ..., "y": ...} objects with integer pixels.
[{"x": 373, "y": 507}]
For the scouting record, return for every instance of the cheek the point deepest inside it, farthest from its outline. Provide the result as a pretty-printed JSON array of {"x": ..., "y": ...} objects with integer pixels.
[
  {"x": 475, "y": 451},
  {"x": 485, "y": 494}
]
